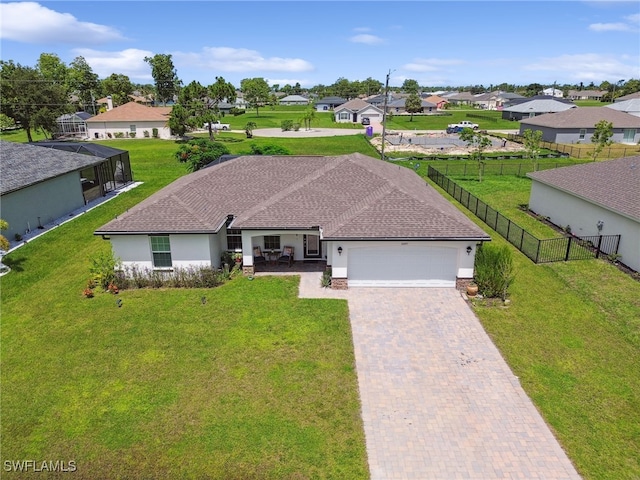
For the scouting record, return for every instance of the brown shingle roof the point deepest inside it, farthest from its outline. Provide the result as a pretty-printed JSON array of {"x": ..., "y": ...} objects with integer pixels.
[
  {"x": 614, "y": 184},
  {"x": 356, "y": 105},
  {"x": 349, "y": 196},
  {"x": 584, "y": 117},
  {"x": 132, "y": 111}
]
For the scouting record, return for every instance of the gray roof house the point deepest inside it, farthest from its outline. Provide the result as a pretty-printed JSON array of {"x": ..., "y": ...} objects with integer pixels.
[
  {"x": 631, "y": 106},
  {"x": 42, "y": 182},
  {"x": 329, "y": 103},
  {"x": 398, "y": 106},
  {"x": 355, "y": 110},
  {"x": 534, "y": 107},
  {"x": 594, "y": 199},
  {"x": 578, "y": 124},
  {"x": 374, "y": 223},
  {"x": 293, "y": 100}
]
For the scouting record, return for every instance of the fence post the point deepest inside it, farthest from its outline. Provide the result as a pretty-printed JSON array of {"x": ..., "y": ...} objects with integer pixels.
[
  {"x": 566, "y": 255},
  {"x": 598, "y": 247}
]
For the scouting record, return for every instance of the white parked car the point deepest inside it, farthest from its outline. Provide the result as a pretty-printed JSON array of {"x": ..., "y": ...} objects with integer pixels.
[{"x": 217, "y": 126}]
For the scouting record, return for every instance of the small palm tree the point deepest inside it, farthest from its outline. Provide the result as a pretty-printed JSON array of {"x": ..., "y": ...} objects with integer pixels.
[{"x": 248, "y": 128}]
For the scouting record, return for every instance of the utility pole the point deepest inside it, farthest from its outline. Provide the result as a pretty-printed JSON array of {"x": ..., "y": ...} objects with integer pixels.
[{"x": 384, "y": 114}]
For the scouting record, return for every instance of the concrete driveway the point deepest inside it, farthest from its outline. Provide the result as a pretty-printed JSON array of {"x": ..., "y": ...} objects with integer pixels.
[{"x": 438, "y": 400}]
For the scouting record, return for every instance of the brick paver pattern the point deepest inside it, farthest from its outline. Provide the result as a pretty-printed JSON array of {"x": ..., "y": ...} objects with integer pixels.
[{"x": 438, "y": 400}]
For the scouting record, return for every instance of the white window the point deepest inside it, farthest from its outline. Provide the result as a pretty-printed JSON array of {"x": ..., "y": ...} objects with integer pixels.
[
  {"x": 344, "y": 116},
  {"x": 161, "y": 251},
  {"x": 234, "y": 239},
  {"x": 583, "y": 133},
  {"x": 132, "y": 128}
]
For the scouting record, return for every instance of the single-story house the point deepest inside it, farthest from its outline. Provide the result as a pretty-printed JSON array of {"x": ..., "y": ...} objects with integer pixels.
[
  {"x": 294, "y": 100},
  {"x": 355, "y": 110},
  {"x": 552, "y": 92},
  {"x": 329, "y": 103},
  {"x": 586, "y": 94},
  {"x": 374, "y": 223},
  {"x": 601, "y": 198},
  {"x": 379, "y": 100},
  {"x": 438, "y": 101},
  {"x": 398, "y": 106},
  {"x": 631, "y": 106},
  {"x": 496, "y": 100},
  {"x": 131, "y": 120},
  {"x": 578, "y": 124},
  {"x": 461, "y": 98},
  {"x": 534, "y": 107},
  {"x": 44, "y": 181},
  {"x": 72, "y": 125}
]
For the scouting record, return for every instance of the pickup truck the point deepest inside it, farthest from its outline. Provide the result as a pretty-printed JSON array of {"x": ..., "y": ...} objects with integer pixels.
[
  {"x": 457, "y": 127},
  {"x": 217, "y": 126}
]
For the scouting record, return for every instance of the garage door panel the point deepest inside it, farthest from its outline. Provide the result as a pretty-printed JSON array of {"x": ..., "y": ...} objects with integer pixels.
[{"x": 402, "y": 266}]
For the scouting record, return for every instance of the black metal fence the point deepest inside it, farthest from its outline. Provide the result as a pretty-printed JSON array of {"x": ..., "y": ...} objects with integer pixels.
[
  {"x": 612, "y": 151},
  {"x": 539, "y": 251},
  {"x": 518, "y": 169}
]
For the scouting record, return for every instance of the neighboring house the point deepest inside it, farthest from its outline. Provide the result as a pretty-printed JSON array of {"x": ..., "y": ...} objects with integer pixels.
[
  {"x": 593, "y": 199},
  {"x": 586, "y": 94},
  {"x": 355, "y": 110},
  {"x": 552, "y": 92},
  {"x": 329, "y": 103},
  {"x": 629, "y": 96},
  {"x": 398, "y": 106},
  {"x": 438, "y": 101},
  {"x": 44, "y": 181},
  {"x": 577, "y": 125},
  {"x": 534, "y": 107},
  {"x": 462, "y": 98},
  {"x": 374, "y": 223},
  {"x": 73, "y": 125},
  {"x": 142, "y": 99},
  {"x": 131, "y": 120},
  {"x": 293, "y": 100},
  {"x": 631, "y": 106}
]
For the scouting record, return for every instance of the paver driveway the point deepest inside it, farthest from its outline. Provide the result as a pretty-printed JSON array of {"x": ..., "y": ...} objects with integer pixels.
[{"x": 438, "y": 400}]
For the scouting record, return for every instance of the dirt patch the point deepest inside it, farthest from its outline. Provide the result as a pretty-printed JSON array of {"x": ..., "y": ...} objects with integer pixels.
[{"x": 436, "y": 143}]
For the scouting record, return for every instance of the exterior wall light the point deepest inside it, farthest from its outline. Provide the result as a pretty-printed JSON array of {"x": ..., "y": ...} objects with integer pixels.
[
  {"x": 469, "y": 249},
  {"x": 339, "y": 250}
]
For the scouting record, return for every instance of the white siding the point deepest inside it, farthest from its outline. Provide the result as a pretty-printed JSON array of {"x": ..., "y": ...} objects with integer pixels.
[
  {"x": 566, "y": 209},
  {"x": 103, "y": 128}
]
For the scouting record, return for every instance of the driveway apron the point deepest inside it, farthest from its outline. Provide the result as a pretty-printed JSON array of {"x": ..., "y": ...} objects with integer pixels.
[{"x": 438, "y": 400}]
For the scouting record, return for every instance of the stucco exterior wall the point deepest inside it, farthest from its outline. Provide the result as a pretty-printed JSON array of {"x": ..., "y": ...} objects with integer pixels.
[
  {"x": 103, "y": 128},
  {"x": 566, "y": 209},
  {"x": 572, "y": 135},
  {"x": 48, "y": 201}
]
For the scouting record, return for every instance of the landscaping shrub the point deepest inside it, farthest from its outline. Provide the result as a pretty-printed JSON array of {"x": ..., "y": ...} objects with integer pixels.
[
  {"x": 237, "y": 111},
  {"x": 154, "y": 132},
  {"x": 494, "y": 270},
  {"x": 103, "y": 269},
  {"x": 132, "y": 277},
  {"x": 199, "y": 152},
  {"x": 286, "y": 125},
  {"x": 269, "y": 149}
]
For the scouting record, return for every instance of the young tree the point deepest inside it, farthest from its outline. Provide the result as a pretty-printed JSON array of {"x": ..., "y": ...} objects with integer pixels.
[
  {"x": 601, "y": 137},
  {"x": 29, "y": 99},
  {"x": 479, "y": 142},
  {"x": 256, "y": 92},
  {"x": 119, "y": 87},
  {"x": 165, "y": 76},
  {"x": 413, "y": 104},
  {"x": 248, "y": 129},
  {"x": 83, "y": 82},
  {"x": 308, "y": 117},
  {"x": 179, "y": 120},
  {"x": 532, "y": 140},
  {"x": 200, "y": 152}
]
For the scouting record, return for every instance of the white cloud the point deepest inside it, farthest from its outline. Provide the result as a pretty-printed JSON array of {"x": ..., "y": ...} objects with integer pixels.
[
  {"x": 609, "y": 27},
  {"x": 588, "y": 66},
  {"x": 631, "y": 24},
  {"x": 366, "y": 39},
  {"x": 431, "y": 64},
  {"x": 30, "y": 22},
  {"x": 227, "y": 59},
  {"x": 128, "y": 62}
]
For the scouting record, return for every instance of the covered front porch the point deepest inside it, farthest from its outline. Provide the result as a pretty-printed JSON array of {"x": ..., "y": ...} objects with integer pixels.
[{"x": 298, "y": 266}]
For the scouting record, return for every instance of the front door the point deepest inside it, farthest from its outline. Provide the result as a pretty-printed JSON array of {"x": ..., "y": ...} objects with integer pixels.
[{"x": 312, "y": 246}]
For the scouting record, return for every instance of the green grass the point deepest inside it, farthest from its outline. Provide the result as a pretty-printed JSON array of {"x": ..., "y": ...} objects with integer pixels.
[
  {"x": 505, "y": 193},
  {"x": 268, "y": 118},
  {"x": 256, "y": 383},
  {"x": 572, "y": 336},
  {"x": 440, "y": 122}
]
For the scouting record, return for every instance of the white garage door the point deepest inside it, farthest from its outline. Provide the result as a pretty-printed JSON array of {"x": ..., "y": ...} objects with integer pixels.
[{"x": 402, "y": 266}]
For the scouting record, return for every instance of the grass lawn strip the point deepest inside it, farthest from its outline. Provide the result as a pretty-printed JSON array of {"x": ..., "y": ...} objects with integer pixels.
[{"x": 572, "y": 335}]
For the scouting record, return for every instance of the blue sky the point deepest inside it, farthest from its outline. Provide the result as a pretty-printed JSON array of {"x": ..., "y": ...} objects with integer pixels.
[{"x": 436, "y": 43}]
